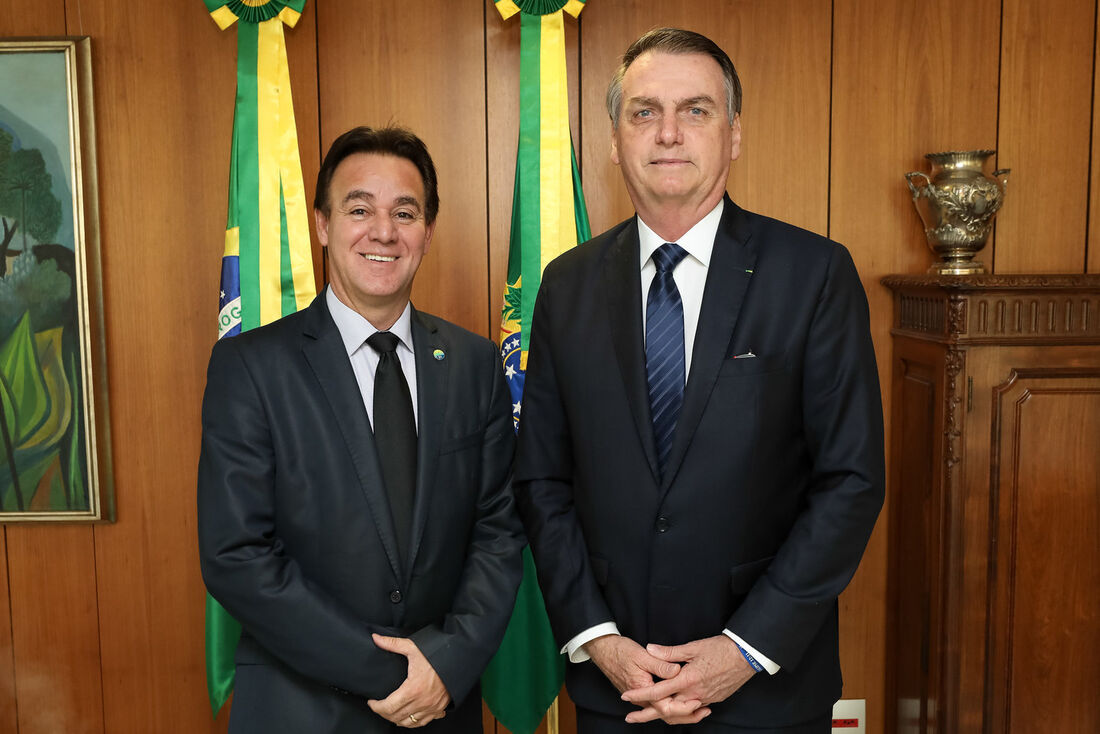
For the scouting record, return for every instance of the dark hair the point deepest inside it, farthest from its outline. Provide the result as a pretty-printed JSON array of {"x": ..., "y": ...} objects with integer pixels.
[
  {"x": 675, "y": 41},
  {"x": 390, "y": 140}
]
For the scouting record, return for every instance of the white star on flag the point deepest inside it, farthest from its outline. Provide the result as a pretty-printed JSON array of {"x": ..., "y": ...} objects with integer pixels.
[
  {"x": 509, "y": 372},
  {"x": 515, "y": 408}
]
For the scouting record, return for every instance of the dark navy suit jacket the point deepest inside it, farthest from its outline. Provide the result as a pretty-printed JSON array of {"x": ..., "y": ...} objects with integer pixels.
[
  {"x": 776, "y": 473},
  {"x": 295, "y": 534}
]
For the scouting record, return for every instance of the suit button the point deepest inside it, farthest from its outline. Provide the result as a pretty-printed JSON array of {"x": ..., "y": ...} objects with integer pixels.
[
  {"x": 663, "y": 524},
  {"x": 395, "y": 596}
]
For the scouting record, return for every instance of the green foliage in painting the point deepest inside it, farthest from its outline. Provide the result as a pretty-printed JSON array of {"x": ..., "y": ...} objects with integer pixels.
[
  {"x": 27, "y": 203},
  {"x": 35, "y": 288},
  {"x": 40, "y": 451}
]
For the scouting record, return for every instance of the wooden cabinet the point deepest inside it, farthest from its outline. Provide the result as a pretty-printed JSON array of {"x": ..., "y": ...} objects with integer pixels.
[{"x": 995, "y": 504}]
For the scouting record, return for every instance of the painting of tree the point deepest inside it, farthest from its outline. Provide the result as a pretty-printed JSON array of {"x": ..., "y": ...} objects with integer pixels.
[
  {"x": 48, "y": 468},
  {"x": 26, "y": 201}
]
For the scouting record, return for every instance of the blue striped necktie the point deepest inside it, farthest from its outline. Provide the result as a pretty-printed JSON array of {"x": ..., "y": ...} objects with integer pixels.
[{"x": 664, "y": 349}]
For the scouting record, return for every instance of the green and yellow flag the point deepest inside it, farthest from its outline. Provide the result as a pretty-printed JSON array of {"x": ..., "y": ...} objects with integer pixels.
[
  {"x": 267, "y": 266},
  {"x": 548, "y": 218}
]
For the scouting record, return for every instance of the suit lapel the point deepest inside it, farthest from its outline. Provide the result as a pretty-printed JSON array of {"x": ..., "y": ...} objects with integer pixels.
[
  {"x": 431, "y": 389},
  {"x": 728, "y": 276},
  {"x": 324, "y": 350},
  {"x": 623, "y": 295}
]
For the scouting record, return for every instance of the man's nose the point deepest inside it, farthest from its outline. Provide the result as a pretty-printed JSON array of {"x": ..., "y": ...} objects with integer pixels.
[
  {"x": 668, "y": 131},
  {"x": 383, "y": 229}
]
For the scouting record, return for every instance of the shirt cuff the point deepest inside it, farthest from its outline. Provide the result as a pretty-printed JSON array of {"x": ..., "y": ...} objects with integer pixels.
[
  {"x": 769, "y": 666},
  {"x": 574, "y": 648}
]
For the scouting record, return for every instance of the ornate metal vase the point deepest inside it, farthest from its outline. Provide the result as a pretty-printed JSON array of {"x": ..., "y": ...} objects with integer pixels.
[{"x": 957, "y": 204}]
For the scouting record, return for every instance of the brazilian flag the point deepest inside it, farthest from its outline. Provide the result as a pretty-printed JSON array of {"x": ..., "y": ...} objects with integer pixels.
[
  {"x": 267, "y": 266},
  {"x": 548, "y": 218}
]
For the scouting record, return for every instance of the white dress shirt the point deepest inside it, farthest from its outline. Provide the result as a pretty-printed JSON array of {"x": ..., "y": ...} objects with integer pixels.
[
  {"x": 354, "y": 332},
  {"x": 691, "y": 279}
]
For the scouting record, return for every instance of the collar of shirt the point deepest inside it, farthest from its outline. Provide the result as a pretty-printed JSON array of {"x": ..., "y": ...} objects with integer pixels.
[
  {"x": 355, "y": 330},
  {"x": 690, "y": 276},
  {"x": 697, "y": 241}
]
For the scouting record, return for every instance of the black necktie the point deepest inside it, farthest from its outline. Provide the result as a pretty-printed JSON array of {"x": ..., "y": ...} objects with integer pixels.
[
  {"x": 395, "y": 435},
  {"x": 664, "y": 349}
]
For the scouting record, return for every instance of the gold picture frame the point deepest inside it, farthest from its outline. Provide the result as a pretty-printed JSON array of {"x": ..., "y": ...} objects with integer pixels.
[{"x": 55, "y": 457}]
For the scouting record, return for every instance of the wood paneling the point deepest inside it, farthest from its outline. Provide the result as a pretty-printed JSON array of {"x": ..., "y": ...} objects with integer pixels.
[
  {"x": 1045, "y": 118},
  {"x": 33, "y": 18},
  {"x": 421, "y": 65},
  {"x": 55, "y": 629},
  {"x": 163, "y": 205},
  {"x": 7, "y": 653}
]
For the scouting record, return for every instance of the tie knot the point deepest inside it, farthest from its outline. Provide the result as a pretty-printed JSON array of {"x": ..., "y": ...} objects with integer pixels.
[
  {"x": 383, "y": 342},
  {"x": 668, "y": 256}
]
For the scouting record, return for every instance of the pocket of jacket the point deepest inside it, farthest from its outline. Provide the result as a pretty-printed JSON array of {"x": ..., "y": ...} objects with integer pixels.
[{"x": 745, "y": 366}]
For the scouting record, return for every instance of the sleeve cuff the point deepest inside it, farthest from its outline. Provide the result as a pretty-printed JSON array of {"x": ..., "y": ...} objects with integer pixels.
[
  {"x": 769, "y": 666},
  {"x": 575, "y": 647}
]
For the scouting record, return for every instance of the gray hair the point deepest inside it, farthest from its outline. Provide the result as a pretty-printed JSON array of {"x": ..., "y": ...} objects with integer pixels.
[{"x": 675, "y": 41}]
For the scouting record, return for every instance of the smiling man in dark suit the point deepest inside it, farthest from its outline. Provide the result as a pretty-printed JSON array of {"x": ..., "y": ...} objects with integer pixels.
[
  {"x": 701, "y": 454},
  {"x": 355, "y": 511}
]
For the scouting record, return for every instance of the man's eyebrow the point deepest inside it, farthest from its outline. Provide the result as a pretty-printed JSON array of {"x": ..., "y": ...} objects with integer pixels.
[
  {"x": 690, "y": 101},
  {"x": 357, "y": 194},
  {"x": 407, "y": 201},
  {"x": 702, "y": 99}
]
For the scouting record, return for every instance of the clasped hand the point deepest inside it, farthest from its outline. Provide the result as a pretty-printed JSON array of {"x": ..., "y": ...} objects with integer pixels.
[
  {"x": 421, "y": 698},
  {"x": 675, "y": 684}
]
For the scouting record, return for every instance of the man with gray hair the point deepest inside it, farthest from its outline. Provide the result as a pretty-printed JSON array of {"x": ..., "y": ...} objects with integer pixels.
[{"x": 701, "y": 453}]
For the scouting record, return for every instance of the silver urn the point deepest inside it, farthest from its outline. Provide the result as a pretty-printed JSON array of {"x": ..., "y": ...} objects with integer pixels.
[{"x": 957, "y": 204}]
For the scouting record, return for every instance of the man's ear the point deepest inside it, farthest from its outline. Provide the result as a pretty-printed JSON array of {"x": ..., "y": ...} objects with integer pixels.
[
  {"x": 428, "y": 232},
  {"x": 321, "y": 221},
  {"x": 735, "y": 138},
  {"x": 614, "y": 147}
]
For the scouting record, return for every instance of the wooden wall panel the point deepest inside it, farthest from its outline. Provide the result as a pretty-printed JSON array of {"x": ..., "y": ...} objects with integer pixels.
[
  {"x": 8, "y": 713},
  {"x": 422, "y": 65},
  {"x": 55, "y": 629},
  {"x": 1045, "y": 128},
  {"x": 783, "y": 56},
  {"x": 902, "y": 87},
  {"x": 33, "y": 18},
  {"x": 163, "y": 164}
]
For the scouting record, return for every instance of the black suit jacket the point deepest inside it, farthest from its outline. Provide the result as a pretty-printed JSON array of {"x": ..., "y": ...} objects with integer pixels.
[
  {"x": 295, "y": 534},
  {"x": 776, "y": 474}
]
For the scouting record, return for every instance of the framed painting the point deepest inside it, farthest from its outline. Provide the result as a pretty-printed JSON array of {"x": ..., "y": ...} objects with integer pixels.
[{"x": 55, "y": 460}]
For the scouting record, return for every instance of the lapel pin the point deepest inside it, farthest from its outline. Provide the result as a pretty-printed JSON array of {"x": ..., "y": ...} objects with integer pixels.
[{"x": 439, "y": 355}]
